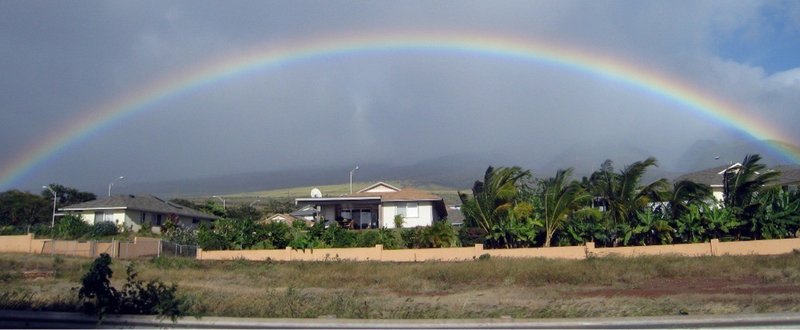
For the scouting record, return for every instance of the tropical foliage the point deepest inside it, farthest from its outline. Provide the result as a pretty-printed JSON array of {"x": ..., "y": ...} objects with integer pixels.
[{"x": 614, "y": 208}]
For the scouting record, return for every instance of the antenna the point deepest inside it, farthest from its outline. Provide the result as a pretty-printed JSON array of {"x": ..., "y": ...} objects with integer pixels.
[{"x": 315, "y": 193}]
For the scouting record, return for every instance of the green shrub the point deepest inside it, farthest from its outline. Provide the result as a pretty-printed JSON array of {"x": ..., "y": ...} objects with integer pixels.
[
  {"x": 412, "y": 237},
  {"x": 208, "y": 239},
  {"x": 398, "y": 221},
  {"x": 71, "y": 227},
  {"x": 11, "y": 230},
  {"x": 368, "y": 238},
  {"x": 277, "y": 234},
  {"x": 104, "y": 228},
  {"x": 136, "y": 297},
  {"x": 439, "y": 234},
  {"x": 42, "y": 230},
  {"x": 469, "y": 236}
]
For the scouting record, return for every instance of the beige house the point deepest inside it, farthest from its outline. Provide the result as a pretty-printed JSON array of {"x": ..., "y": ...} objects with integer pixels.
[
  {"x": 132, "y": 211},
  {"x": 377, "y": 205}
]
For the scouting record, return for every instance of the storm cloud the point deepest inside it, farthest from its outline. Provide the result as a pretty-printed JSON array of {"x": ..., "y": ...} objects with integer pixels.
[{"x": 62, "y": 58}]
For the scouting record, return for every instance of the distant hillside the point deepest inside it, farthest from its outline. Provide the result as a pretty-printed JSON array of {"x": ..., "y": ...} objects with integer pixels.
[
  {"x": 459, "y": 171},
  {"x": 707, "y": 154}
]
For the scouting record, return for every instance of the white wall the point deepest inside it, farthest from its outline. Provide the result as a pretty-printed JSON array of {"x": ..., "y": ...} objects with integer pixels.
[
  {"x": 118, "y": 216},
  {"x": 424, "y": 218}
]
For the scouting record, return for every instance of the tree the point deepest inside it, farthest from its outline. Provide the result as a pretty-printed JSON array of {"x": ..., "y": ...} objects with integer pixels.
[
  {"x": 622, "y": 194},
  {"x": 558, "y": 198},
  {"x": 67, "y": 195},
  {"x": 743, "y": 183},
  {"x": 492, "y": 199},
  {"x": 23, "y": 209},
  {"x": 683, "y": 194}
]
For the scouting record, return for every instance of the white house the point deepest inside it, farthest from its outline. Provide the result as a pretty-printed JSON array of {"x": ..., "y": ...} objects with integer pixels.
[
  {"x": 131, "y": 211},
  {"x": 377, "y": 205}
]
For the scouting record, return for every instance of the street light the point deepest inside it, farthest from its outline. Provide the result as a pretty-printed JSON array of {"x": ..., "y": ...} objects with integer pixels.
[
  {"x": 53, "y": 222},
  {"x": 254, "y": 202},
  {"x": 351, "y": 179},
  {"x": 223, "y": 201},
  {"x": 112, "y": 183}
]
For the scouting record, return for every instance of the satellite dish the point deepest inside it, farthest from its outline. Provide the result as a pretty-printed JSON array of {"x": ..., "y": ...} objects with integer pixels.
[{"x": 315, "y": 193}]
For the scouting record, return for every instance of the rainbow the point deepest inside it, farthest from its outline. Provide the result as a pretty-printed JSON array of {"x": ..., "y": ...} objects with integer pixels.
[{"x": 658, "y": 84}]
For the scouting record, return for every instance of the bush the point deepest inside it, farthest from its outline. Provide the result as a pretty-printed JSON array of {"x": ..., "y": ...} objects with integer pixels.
[
  {"x": 105, "y": 228},
  {"x": 42, "y": 230},
  {"x": 136, "y": 297},
  {"x": 71, "y": 227},
  {"x": 469, "y": 236},
  {"x": 411, "y": 237},
  {"x": 208, "y": 239}
]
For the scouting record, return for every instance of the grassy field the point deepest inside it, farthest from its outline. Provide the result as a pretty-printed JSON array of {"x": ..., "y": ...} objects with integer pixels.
[
  {"x": 477, "y": 289},
  {"x": 450, "y": 195}
]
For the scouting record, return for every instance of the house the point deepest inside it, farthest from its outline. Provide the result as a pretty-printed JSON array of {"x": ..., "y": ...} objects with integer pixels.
[
  {"x": 132, "y": 211},
  {"x": 283, "y": 217},
  {"x": 789, "y": 179},
  {"x": 308, "y": 213},
  {"x": 377, "y": 205}
]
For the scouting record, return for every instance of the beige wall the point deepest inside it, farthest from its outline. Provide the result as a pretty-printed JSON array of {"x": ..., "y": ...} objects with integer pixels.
[
  {"x": 27, "y": 244},
  {"x": 713, "y": 248}
]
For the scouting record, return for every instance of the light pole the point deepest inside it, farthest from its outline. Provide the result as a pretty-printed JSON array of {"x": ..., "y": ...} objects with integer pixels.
[
  {"x": 351, "y": 179},
  {"x": 112, "y": 183},
  {"x": 53, "y": 222},
  {"x": 223, "y": 201}
]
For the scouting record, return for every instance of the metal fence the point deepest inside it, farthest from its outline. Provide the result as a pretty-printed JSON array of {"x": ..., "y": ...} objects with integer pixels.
[{"x": 171, "y": 249}]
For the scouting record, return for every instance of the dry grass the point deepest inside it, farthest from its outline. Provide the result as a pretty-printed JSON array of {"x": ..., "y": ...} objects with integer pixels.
[{"x": 530, "y": 288}]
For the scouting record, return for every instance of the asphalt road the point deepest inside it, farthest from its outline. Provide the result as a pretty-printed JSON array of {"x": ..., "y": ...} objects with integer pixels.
[{"x": 26, "y": 319}]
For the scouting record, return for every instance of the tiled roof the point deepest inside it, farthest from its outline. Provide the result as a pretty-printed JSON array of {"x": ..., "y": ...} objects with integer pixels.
[{"x": 147, "y": 203}]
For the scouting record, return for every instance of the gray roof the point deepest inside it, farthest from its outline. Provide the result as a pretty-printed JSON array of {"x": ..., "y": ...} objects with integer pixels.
[
  {"x": 709, "y": 176},
  {"x": 146, "y": 203},
  {"x": 790, "y": 175}
]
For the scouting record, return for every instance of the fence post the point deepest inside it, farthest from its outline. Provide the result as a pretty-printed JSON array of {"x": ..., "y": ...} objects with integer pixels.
[
  {"x": 714, "y": 245},
  {"x": 478, "y": 251},
  {"x": 589, "y": 250}
]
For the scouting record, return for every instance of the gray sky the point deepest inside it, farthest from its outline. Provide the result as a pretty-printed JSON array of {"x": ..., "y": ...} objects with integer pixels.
[{"x": 60, "y": 59}]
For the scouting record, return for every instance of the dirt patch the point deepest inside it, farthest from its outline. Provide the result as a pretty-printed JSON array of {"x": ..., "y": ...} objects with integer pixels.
[
  {"x": 705, "y": 286},
  {"x": 36, "y": 274}
]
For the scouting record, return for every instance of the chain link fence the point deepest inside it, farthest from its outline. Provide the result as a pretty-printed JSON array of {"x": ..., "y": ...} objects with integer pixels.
[{"x": 171, "y": 249}]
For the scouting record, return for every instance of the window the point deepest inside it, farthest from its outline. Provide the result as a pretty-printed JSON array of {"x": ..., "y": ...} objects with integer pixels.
[
  {"x": 157, "y": 220},
  {"x": 408, "y": 210},
  {"x": 103, "y": 216}
]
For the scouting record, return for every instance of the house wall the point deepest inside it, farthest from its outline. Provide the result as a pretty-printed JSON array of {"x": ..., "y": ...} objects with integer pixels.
[
  {"x": 718, "y": 194},
  {"x": 425, "y": 215},
  {"x": 118, "y": 216}
]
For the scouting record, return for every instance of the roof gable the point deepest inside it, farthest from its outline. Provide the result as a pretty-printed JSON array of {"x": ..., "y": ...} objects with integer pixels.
[{"x": 380, "y": 187}]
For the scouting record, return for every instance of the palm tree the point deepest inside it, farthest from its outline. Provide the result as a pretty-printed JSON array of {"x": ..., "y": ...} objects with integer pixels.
[
  {"x": 683, "y": 194},
  {"x": 559, "y": 197},
  {"x": 623, "y": 195},
  {"x": 743, "y": 183},
  {"x": 493, "y": 198}
]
